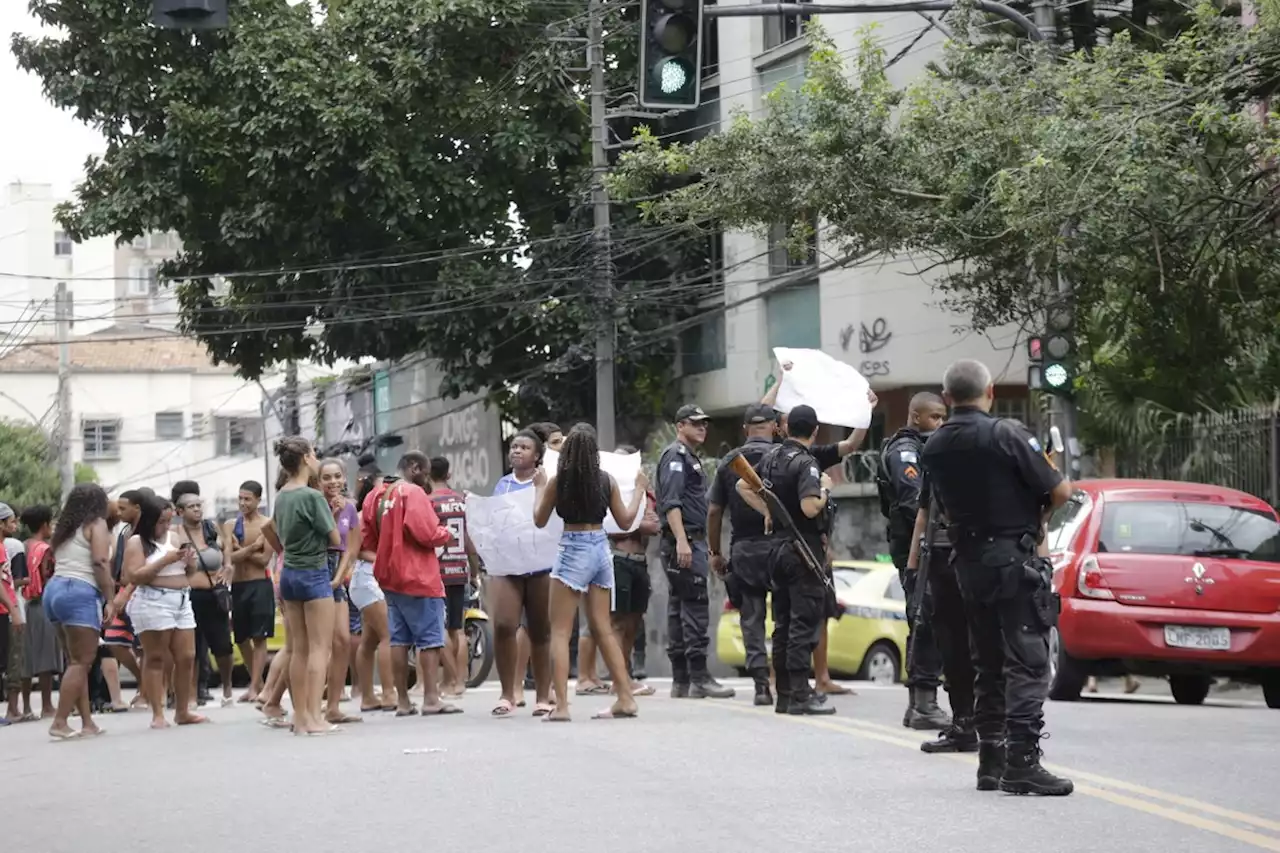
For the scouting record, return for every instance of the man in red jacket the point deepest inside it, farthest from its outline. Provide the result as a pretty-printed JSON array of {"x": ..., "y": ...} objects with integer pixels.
[{"x": 399, "y": 524}]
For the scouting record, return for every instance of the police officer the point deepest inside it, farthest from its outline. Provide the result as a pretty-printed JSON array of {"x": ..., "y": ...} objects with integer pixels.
[
  {"x": 799, "y": 591},
  {"x": 898, "y": 482},
  {"x": 945, "y": 613},
  {"x": 682, "y": 507},
  {"x": 748, "y": 581},
  {"x": 997, "y": 486}
]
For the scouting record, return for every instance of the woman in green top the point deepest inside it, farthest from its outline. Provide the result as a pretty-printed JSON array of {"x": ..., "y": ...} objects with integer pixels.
[{"x": 302, "y": 531}]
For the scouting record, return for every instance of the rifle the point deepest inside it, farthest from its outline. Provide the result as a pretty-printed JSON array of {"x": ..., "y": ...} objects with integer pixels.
[
  {"x": 778, "y": 513},
  {"x": 915, "y": 606}
]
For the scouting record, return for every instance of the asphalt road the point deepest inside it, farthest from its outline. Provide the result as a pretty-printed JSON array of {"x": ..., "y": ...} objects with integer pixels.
[{"x": 1150, "y": 776}]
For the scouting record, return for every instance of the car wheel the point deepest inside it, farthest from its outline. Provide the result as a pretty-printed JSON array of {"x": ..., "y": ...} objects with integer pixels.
[
  {"x": 1190, "y": 689},
  {"x": 1271, "y": 689},
  {"x": 881, "y": 664},
  {"x": 1066, "y": 674}
]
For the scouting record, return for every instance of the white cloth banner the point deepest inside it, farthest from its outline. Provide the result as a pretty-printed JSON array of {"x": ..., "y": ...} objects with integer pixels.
[
  {"x": 623, "y": 468},
  {"x": 504, "y": 535},
  {"x": 835, "y": 390}
]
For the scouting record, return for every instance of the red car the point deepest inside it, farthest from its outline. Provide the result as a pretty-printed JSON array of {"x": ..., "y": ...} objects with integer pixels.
[{"x": 1165, "y": 579}]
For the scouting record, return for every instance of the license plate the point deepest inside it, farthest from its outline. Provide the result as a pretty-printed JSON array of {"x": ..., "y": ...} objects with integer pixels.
[{"x": 1195, "y": 637}]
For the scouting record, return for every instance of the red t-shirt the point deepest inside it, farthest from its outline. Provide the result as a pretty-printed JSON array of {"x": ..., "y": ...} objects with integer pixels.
[
  {"x": 400, "y": 525},
  {"x": 451, "y": 509}
]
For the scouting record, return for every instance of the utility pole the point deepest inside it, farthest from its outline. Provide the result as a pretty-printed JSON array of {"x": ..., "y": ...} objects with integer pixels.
[
  {"x": 606, "y": 412},
  {"x": 62, "y": 321},
  {"x": 293, "y": 422},
  {"x": 1046, "y": 22}
]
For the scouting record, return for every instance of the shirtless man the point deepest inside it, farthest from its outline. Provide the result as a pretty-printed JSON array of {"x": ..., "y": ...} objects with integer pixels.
[{"x": 253, "y": 601}]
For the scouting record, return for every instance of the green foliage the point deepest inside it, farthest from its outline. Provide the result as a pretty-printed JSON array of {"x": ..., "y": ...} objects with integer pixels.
[
  {"x": 1143, "y": 178},
  {"x": 29, "y": 469},
  {"x": 378, "y": 150}
]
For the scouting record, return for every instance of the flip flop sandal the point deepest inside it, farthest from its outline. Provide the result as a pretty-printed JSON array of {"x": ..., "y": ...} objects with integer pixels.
[
  {"x": 542, "y": 710},
  {"x": 442, "y": 711},
  {"x": 27, "y": 718},
  {"x": 374, "y": 709},
  {"x": 550, "y": 719},
  {"x": 331, "y": 730},
  {"x": 71, "y": 735},
  {"x": 610, "y": 714},
  {"x": 644, "y": 690},
  {"x": 275, "y": 723},
  {"x": 412, "y": 712},
  {"x": 94, "y": 733},
  {"x": 593, "y": 690},
  {"x": 502, "y": 709},
  {"x": 342, "y": 720},
  {"x": 111, "y": 709}
]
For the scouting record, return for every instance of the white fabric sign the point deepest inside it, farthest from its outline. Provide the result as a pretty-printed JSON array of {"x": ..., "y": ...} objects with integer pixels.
[
  {"x": 835, "y": 390},
  {"x": 623, "y": 468},
  {"x": 504, "y": 535}
]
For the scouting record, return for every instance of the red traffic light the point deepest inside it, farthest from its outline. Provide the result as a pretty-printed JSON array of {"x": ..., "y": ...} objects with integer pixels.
[{"x": 1035, "y": 349}]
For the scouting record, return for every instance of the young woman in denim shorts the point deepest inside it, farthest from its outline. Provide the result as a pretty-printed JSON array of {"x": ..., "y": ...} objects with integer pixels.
[
  {"x": 302, "y": 530},
  {"x": 583, "y": 494}
]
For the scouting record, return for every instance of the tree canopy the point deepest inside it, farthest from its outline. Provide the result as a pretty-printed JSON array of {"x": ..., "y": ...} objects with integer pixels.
[
  {"x": 1142, "y": 177},
  {"x": 370, "y": 178},
  {"x": 28, "y": 468}
]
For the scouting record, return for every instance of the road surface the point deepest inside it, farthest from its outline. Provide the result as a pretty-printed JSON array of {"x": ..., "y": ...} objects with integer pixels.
[{"x": 1151, "y": 777}]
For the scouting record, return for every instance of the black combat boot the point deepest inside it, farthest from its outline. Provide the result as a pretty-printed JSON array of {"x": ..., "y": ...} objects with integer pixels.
[
  {"x": 990, "y": 765},
  {"x": 957, "y": 737},
  {"x": 911, "y": 704},
  {"x": 1024, "y": 775},
  {"x": 924, "y": 713},
  {"x": 764, "y": 696},
  {"x": 637, "y": 665},
  {"x": 783, "y": 685},
  {"x": 679, "y": 684},
  {"x": 703, "y": 686},
  {"x": 804, "y": 702}
]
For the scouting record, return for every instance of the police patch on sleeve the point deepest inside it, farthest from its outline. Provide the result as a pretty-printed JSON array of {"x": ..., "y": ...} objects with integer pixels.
[
  {"x": 1035, "y": 444},
  {"x": 676, "y": 467},
  {"x": 908, "y": 456},
  {"x": 813, "y": 469}
]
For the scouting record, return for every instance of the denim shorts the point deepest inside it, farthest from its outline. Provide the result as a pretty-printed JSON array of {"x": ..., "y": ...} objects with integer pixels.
[
  {"x": 304, "y": 584},
  {"x": 354, "y": 623},
  {"x": 73, "y": 603},
  {"x": 153, "y": 608},
  {"x": 416, "y": 622},
  {"x": 364, "y": 589},
  {"x": 335, "y": 560},
  {"x": 584, "y": 560}
]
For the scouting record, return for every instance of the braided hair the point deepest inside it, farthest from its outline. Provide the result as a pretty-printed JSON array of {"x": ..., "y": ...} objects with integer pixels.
[
  {"x": 578, "y": 491},
  {"x": 86, "y": 503}
]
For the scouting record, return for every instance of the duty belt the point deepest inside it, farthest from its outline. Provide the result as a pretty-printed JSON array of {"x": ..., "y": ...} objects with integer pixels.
[{"x": 627, "y": 555}]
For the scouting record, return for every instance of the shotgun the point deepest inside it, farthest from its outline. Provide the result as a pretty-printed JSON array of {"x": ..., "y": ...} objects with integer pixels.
[
  {"x": 915, "y": 607},
  {"x": 780, "y": 517}
]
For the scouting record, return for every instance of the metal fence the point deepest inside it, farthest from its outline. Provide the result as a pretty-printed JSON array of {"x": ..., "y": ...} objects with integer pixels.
[{"x": 1238, "y": 449}]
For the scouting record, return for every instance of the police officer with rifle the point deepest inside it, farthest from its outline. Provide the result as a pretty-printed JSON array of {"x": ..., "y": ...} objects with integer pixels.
[
  {"x": 996, "y": 487},
  {"x": 746, "y": 573},
  {"x": 898, "y": 479},
  {"x": 790, "y": 491}
]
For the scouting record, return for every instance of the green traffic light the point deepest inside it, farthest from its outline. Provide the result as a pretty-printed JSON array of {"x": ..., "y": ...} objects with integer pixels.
[
  {"x": 673, "y": 75},
  {"x": 1056, "y": 376}
]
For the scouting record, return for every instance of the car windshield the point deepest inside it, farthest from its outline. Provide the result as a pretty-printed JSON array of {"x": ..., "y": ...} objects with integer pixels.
[
  {"x": 1189, "y": 529},
  {"x": 847, "y": 579}
]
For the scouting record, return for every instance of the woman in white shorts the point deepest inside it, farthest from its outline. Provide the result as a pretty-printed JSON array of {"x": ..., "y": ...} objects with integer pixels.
[
  {"x": 367, "y": 597},
  {"x": 160, "y": 609}
]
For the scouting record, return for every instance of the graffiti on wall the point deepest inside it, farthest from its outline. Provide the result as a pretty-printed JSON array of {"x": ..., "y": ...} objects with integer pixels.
[{"x": 871, "y": 339}]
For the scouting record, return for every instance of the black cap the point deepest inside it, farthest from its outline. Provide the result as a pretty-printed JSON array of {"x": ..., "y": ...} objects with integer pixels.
[
  {"x": 802, "y": 421},
  {"x": 760, "y": 413},
  {"x": 691, "y": 413}
]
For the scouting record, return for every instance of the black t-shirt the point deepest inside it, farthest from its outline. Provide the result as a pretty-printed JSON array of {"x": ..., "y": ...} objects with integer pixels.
[
  {"x": 744, "y": 520},
  {"x": 795, "y": 476},
  {"x": 826, "y": 455}
]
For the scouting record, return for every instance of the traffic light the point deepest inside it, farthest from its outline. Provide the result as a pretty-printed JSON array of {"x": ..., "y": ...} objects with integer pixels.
[
  {"x": 670, "y": 54},
  {"x": 189, "y": 14},
  {"x": 1058, "y": 351},
  {"x": 1035, "y": 364}
]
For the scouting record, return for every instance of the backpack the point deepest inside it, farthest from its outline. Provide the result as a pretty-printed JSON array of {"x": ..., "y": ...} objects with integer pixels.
[{"x": 210, "y": 529}]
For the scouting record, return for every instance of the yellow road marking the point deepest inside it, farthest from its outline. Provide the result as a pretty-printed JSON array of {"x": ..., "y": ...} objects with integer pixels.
[{"x": 886, "y": 734}]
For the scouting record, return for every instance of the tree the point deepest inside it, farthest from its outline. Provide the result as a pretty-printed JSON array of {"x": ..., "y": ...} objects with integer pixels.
[
  {"x": 1142, "y": 178},
  {"x": 397, "y": 176},
  {"x": 29, "y": 469}
]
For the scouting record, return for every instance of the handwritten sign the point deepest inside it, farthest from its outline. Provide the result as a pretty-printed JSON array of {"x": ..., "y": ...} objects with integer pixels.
[
  {"x": 504, "y": 535},
  {"x": 835, "y": 390},
  {"x": 623, "y": 468}
]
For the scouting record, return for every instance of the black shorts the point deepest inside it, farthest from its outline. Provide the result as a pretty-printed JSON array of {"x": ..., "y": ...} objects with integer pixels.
[
  {"x": 455, "y": 606},
  {"x": 631, "y": 586},
  {"x": 253, "y": 610},
  {"x": 212, "y": 622}
]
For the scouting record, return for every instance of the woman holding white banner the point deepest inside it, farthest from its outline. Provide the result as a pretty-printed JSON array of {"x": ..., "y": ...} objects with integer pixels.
[{"x": 583, "y": 495}]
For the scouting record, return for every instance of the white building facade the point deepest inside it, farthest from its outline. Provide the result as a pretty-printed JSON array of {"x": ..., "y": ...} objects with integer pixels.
[{"x": 881, "y": 317}]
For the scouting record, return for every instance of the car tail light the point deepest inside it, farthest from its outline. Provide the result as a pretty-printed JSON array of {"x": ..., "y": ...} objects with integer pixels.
[{"x": 1090, "y": 582}]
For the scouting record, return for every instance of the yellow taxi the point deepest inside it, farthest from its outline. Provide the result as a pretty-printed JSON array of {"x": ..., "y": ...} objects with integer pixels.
[
  {"x": 275, "y": 643},
  {"x": 869, "y": 641}
]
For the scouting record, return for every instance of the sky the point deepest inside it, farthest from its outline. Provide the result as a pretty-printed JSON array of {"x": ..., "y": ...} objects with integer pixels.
[{"x": 42, "y": 144}]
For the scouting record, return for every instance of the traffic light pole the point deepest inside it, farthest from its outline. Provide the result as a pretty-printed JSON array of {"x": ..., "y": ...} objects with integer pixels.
[{"x": 606, "y": 411}]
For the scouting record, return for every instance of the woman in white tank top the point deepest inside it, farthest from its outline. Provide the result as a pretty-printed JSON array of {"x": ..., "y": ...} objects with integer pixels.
[
  {"x": 76, "y": 597},
  {"x": 161, "y": 611}
]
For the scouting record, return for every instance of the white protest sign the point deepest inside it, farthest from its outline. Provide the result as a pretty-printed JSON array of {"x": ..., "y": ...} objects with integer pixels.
[
  {"x": 835, "y": 390},
  {"x": 623, "y": 468},
  {"x": 504, "y": 535}
]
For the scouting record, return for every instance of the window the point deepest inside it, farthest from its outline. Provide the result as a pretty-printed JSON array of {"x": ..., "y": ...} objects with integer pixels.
[
  {"x": 61, "y": 244},
  {"x": 780, "y": 29},
  {"x": 894, "y": 591},
  {"x": 1066, "y": 521},
  {"x": 238, "y": 436},
  {"x": 139, "y": 242},
  {"x": 781, "y": 257},
  {"x": 169, "y": 426},
  {"x": 1018, "y": 408},
  {"x": 793, "y": 317},
  {"x": 144, "y": 280},
  {"x": 702, "y": 348},
  {"x": 1188, "y": 529},
  {"x": 101, "y": 438}
]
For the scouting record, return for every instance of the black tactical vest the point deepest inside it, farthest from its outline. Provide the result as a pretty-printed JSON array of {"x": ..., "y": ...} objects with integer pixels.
[{"x": 977, "y": 482}]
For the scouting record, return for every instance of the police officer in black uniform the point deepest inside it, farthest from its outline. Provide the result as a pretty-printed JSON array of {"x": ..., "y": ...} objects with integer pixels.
[
  {"x": 748, "y": 564},
  {"x": 898, "y": 482},
  {"x": 945, "y": 614},
  {"x": 997, "y": 486},
  {"x": 799, "y": 592},
  {"x": 682, "y": 507}
]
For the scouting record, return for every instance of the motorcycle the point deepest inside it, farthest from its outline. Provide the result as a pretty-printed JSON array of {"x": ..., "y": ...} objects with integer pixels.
[{"x": 479, "y": 635}]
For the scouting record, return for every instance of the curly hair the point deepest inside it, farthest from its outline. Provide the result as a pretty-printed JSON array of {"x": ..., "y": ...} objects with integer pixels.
[
  {"x": 578, "y": 491},
  {"x": 152, "y": 510},
  {"x": 291, "y": 452},
  {"x": 85, "y": 504},
  {"x": 539, "y": 446}
]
